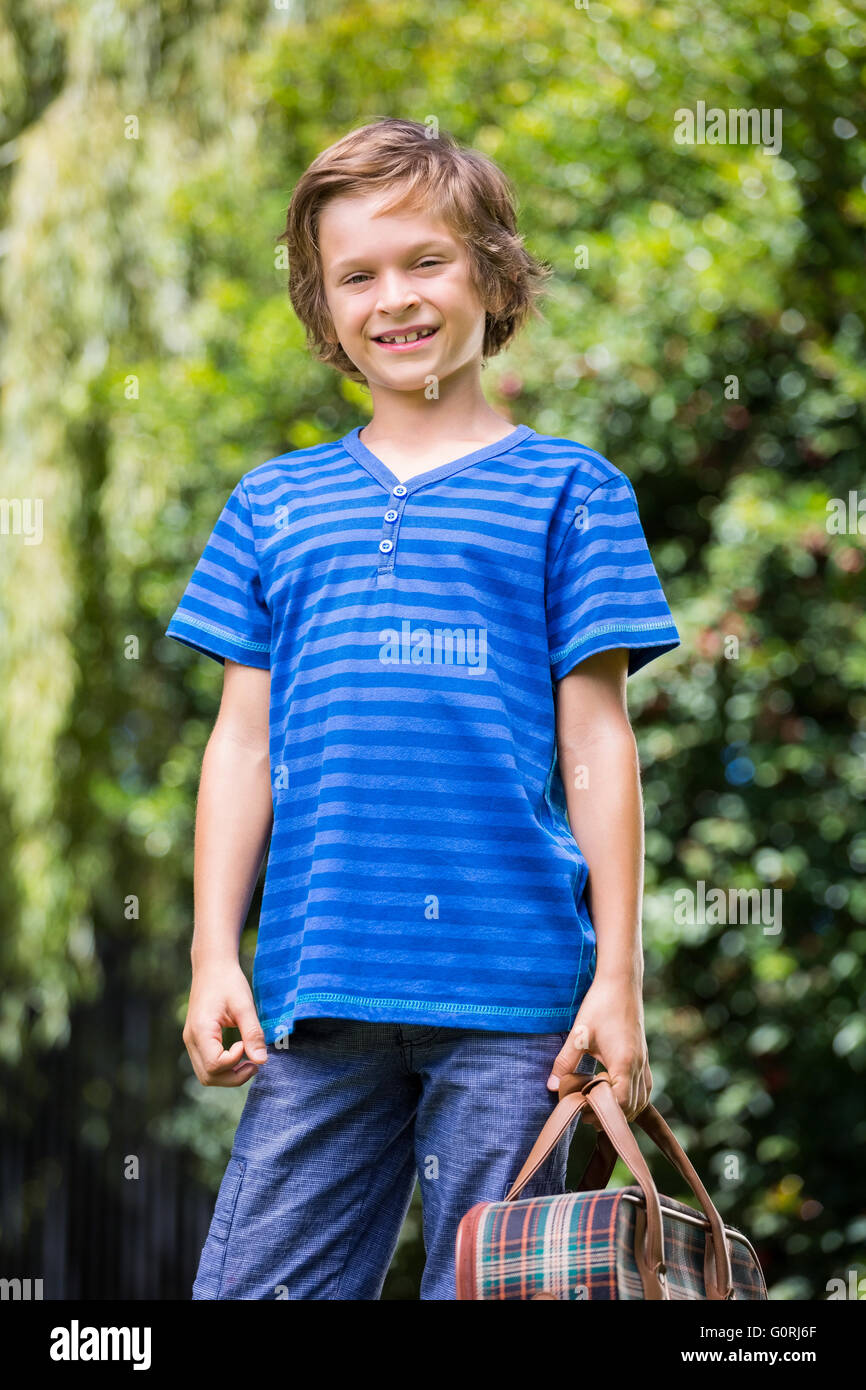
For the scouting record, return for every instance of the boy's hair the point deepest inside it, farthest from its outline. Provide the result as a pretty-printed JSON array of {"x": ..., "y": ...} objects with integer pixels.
[{"x": 465, "y": 189}]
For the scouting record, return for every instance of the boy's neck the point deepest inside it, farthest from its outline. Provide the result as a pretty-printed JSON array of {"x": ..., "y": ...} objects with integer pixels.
[{"x": 407, "y": 420}]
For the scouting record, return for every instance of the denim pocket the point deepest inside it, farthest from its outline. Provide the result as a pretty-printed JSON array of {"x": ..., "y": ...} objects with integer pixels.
[
  {"x": 210, "y": 1271},
  {"x": 226, "y": 1199}
]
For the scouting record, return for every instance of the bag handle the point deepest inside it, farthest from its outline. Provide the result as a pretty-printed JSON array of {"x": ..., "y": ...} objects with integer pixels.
[
  {"x": 717, "y": 1266},
  {"x": 576, "y": 1092}
]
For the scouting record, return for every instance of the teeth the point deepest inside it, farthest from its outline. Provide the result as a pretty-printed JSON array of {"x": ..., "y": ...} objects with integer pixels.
[{"x": 407, "y": 337}]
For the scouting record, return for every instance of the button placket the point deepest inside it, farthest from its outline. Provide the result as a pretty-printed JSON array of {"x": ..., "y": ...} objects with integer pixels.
[{"x": 388, "y": 542}]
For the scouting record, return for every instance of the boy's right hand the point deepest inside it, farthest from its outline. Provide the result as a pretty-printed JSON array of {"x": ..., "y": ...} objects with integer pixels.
[{"x": 221, "y": 998}]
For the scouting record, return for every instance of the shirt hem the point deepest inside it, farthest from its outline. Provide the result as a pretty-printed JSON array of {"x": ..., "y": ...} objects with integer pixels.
[
  {"x": 214, "y": 641},
  {"x": 642, "y": 648},
  {"x": 503, "y": 1018}
]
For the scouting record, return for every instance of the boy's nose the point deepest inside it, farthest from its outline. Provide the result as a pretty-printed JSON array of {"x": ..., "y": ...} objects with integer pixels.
[{"x": 397, "y": 296}]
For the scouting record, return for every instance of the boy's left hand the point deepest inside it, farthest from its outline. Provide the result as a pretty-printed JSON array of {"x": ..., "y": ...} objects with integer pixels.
[{"x": 610, "y": 1026}]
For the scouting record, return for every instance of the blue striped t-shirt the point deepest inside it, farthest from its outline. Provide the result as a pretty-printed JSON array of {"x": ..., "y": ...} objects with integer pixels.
[{"x": 421, "y": 868}]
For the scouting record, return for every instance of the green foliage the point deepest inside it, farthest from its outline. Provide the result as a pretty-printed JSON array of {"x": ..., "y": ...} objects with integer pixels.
[{"x": 150, "y": 357}]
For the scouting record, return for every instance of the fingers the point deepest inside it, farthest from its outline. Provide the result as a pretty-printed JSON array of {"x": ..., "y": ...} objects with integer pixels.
[
  {"x": 572, "y": 1050},
  {"x": 564, "y": 1063},
  {"x": 568, "y": 1056},
  {"x": 247, "y": 1023},
  {"x": 215, "y": 1065},
  {"x": 223, "y": 999},
  {"x": 632, "y": 1091},
  {"x": 623, "y": 1089},
  {"x": 645, "y": 1089}
]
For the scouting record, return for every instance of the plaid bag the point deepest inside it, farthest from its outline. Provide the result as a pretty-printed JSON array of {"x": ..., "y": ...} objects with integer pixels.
[{"x": 630, "y": 1242}]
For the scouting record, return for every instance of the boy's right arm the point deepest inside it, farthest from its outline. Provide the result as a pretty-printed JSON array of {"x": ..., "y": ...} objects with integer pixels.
[{"x": 234, "y": 818}]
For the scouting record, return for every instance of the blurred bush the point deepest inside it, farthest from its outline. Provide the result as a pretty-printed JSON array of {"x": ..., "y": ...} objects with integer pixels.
[{"x": 712, "y": 347}]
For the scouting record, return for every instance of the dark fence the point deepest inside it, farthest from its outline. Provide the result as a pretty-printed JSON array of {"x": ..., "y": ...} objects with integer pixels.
[{"x": 70, "y": 1121}]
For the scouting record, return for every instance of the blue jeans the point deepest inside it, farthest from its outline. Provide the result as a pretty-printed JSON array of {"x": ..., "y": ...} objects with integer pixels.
[{"x": 337, "y": 1128}]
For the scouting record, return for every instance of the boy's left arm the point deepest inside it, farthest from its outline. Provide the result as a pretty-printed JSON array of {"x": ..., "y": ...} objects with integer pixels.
[{"x": 600, "y": 771}]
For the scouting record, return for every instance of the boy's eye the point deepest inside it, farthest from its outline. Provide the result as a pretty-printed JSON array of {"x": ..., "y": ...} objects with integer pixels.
[{"x": 362, "y": 274}]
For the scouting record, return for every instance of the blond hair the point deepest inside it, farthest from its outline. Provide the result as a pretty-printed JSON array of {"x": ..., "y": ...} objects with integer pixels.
[{"x": 465, "y": 189}]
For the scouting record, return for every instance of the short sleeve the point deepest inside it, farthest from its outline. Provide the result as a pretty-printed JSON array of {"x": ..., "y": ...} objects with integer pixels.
[
  {"x": 602, "y": 589},
  {"x": 223, "y": 612}
]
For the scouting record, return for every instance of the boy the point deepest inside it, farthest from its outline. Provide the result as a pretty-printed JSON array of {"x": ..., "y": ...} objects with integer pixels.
[{"x": 426, "y": 628}]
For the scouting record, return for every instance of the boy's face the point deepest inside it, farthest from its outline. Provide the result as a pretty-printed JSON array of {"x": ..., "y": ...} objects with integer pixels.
[{"x": 390, "y": 273}]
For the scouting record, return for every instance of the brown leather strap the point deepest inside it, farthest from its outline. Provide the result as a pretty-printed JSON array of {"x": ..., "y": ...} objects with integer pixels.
[
  {"x": 577, "y": 1091},
  {"x": 570, "y": 1088},
  {"x": 650, "y": 1252},
  {"x": 580, "y": 1092},
  {"x": 656, "y": 1127},
  {"x": 601, "y": 1164}
]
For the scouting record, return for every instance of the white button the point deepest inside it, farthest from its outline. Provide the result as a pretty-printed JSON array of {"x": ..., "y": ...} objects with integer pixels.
[
  {"x": 385, "y": 546},
  {"x": 399, "y": 490},
  {"x": 390, "y": 515}
]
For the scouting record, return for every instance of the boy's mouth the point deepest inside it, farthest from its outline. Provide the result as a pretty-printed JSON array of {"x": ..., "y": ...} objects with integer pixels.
[{"x": 405, "y": 342}]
